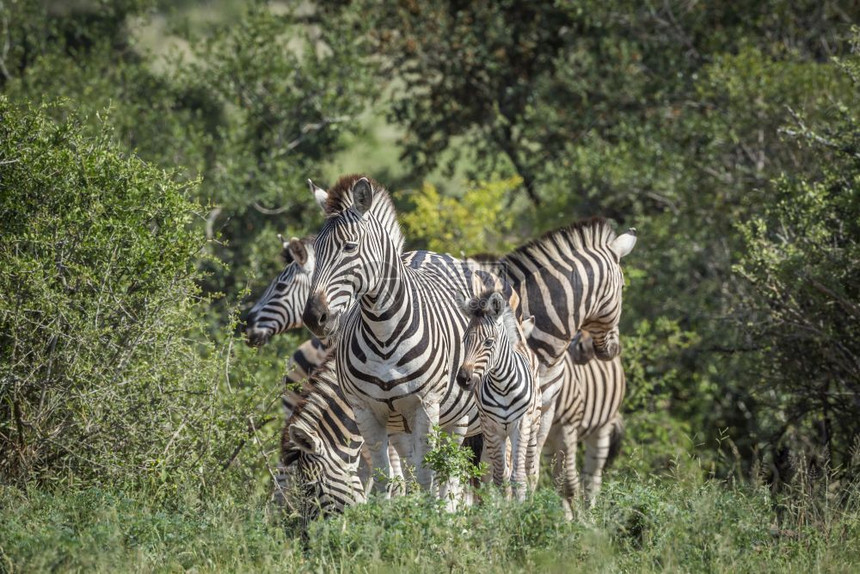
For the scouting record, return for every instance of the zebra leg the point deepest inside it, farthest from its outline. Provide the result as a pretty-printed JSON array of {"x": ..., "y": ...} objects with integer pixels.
[
  {"x": 424, "y": 418},
  {"x": 532, "y": 458},
  {"x": 398, "y": 450},
  {"x": 496, "y": 444},
  {"x": 519, "y": 449},
  {"x": 454, "y": 490},
  {"x": 376, "y": 439},
  {"x": 596, "y": 453},
  {"x": 365, "y": 469},
  {"x": 547, "y": 414},
  {"x": 570, "y": 484}
]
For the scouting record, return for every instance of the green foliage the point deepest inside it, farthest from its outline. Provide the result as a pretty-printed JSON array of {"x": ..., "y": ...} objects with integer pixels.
[
  {"x": 105, "y": 374},
  {"x": 450, "y": 460},
  {"x": 103, "y": 530},
  {"x": 479, "y": 221},
  {"x": 640, "y": 524},
  {"x": 801, "y": 264}
]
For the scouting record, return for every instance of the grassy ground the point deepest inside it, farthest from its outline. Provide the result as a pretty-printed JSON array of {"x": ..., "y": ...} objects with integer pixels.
[{"x": 640, "y": 524}]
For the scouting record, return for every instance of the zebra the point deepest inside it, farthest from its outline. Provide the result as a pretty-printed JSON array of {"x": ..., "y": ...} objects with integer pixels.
[
  {"x": 587, "y": 410},
  {"x": 321, "y": 445},
  {"x": 501, "y": 370},
  {"x": 569, "y": 279},
  {"x": 280, "y": 307},
  {"x": 399, "y": 347}
]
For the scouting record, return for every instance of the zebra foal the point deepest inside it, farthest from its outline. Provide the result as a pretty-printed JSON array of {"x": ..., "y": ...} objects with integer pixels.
[{"x": 501, "y": 370}]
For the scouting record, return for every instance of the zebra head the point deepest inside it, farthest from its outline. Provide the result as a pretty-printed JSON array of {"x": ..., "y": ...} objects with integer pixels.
[
  {"x": 355, "y": 249},
  {"x": 280, "y": 308},
  {"x": 603, "y": 322},
  {"x": 492, "y": 332},
  {"x": 320, "y": 447}
]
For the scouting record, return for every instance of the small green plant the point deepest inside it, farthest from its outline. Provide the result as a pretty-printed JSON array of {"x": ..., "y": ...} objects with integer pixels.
[{"x": 450, "y": 460}]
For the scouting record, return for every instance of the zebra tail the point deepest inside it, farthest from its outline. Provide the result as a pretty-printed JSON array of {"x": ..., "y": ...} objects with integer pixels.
[
  {"x": 615, "y": 439},
  {"x": 476, "y": 445}
]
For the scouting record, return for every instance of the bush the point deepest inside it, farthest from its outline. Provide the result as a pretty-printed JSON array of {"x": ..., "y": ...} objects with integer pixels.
[{"x": 103, "y": 374}]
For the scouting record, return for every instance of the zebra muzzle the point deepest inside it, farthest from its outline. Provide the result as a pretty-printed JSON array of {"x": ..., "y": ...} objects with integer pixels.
[
  {"x": 466, "y": 378},
  {"x": 316, "y": 315}
]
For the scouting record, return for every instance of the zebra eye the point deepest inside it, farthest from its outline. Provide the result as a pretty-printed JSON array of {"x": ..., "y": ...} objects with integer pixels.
[
  {"x": 489, "y": 342},
  {"x": 350, "y": 246}
]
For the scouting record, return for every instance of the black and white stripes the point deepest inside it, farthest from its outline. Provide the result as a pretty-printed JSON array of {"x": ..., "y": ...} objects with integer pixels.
[
  {"x": 400, "y": 344},
  {"x": 501, "y": 370}
]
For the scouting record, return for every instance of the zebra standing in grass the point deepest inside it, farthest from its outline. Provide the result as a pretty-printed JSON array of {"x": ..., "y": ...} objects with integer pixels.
[
  {"x": 569, "y": 279},
  {"x": 501, "y": 370},
  {"x": 587, "y": 410},
  {"x": 399, "y": 347},
  {"x": 280, "y": 309}
]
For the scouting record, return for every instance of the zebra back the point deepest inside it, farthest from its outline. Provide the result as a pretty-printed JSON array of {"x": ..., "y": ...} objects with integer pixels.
[{"x": 571, "y": 279}]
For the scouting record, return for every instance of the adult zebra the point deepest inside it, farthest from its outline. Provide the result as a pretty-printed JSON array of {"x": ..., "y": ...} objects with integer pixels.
[
  {"x": 587, "y": 410},
  {"x": 322, "y": 445},
  {"x": 569, "y": 279},
  {"x": 280, "y": 307},
  {"x": 399, "y": 347}
]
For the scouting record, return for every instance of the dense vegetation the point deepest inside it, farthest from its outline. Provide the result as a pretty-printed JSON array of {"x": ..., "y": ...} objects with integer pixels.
[{"x": 150, "y": 151}]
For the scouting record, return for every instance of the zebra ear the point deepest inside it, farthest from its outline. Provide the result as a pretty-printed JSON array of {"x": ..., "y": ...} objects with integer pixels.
[
  {"x": 291, "y": 401},
  {"x": 362, "y": 195},
  {"x": 624, "y": 243},
  {"x": 298, "y": 251},
  {"x": 496, "y": 304},
  {"x": 528, "y": 326},
  {"x": 320, "y": 195},
  {"x": 304, "y": 441}
]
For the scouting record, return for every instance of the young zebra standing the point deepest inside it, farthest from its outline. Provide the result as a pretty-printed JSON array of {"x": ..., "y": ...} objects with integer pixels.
[
  {"x": 399, "y": 347},
  {"x": 501, "y": 370}
]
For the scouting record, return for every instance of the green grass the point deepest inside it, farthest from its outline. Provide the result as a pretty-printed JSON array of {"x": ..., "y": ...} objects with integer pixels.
[{"x": 640, "y": 524}]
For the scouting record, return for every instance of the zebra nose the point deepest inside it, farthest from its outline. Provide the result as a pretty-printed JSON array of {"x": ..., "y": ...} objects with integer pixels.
[
  {"x": 464, "y": 378},
  {"x": 316, "y": 314}
]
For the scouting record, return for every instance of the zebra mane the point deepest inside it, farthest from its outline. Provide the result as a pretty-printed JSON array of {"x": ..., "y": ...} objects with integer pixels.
[
  {"x": 340, "y": 199},
  {"x": 314, "y": 398},
  {"x": 488, "y": 262},
  {"x": 478, "y": 308},
  {"x": 591, "y": 233}
]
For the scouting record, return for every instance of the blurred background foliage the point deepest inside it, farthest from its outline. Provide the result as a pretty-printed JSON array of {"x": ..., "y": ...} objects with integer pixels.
[{"x": 725, "y": 132}]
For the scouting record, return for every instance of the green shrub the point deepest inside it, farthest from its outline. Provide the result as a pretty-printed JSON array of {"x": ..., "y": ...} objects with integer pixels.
[{"x": 104, "y": 375}]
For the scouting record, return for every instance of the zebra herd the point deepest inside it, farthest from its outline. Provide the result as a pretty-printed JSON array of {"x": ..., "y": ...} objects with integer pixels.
[{"x": 409, "y": 341}]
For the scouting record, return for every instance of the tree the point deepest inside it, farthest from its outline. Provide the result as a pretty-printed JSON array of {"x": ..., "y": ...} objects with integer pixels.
[{"x": 801, "y": 264}]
